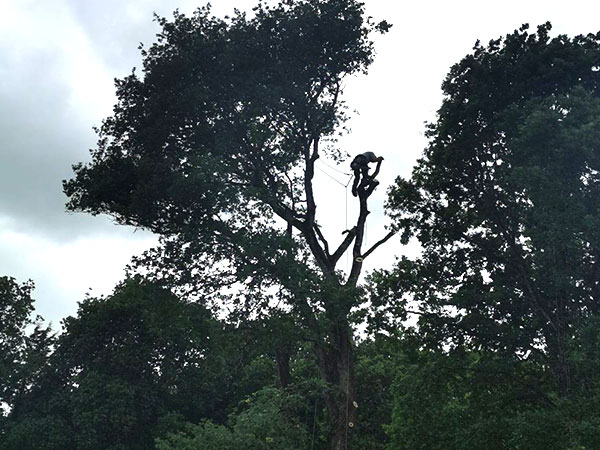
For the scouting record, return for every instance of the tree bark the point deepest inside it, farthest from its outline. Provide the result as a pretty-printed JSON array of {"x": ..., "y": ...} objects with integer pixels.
[
  {"x": 283, "y": 367},
  {"x": 334, "y": 350},
  {"x": 558, "y": 360},
  {"x": 336, "y": 367}
]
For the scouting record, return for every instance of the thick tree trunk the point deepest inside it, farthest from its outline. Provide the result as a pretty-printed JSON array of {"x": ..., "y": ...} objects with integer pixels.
[
  {"x": 336, "y": 367},
  {"x": 282, "y": 357},
  {"x": 334, "y": 350},
  {"x": 559, "y": 363}
]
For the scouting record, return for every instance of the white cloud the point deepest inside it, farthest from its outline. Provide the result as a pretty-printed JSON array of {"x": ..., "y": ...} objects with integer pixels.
[{"x": 65, "y": 271}]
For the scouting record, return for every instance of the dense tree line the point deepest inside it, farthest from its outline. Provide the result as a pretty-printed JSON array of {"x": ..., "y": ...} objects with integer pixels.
[
  {"x": 490, "y": 338},
  {"x": 142, "y": 365},
  {"x": 505, "y": 205}
]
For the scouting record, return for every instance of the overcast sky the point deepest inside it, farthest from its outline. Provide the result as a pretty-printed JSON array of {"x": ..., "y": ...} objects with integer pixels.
[{"x": 58, "y": 59}]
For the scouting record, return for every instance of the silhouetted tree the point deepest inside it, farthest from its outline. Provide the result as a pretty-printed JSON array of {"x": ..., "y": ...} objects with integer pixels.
[
  {"x": 505, "y": 201},
  {"x": 214, "y": 149}
]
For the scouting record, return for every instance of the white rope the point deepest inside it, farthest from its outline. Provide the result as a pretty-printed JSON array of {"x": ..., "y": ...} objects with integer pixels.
[
  {"x": 331, "y": 167},
  {"x": 332, "y": 177}
]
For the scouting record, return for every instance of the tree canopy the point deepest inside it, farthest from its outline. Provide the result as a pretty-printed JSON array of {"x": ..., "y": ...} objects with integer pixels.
[
  {"x": 240, "y": 333},
  {"x": 214, "y": 148},
  {"x": 210, "y": 142},
  {"x": 504, "y": 203}
]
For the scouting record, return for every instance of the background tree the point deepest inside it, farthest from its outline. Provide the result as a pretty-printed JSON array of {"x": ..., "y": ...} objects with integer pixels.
[
  {"x": 16, "y": 307},
  {"x": 505, "y": 200},
  {"x": 268, "y": 421},
  {"x": 129, "y": 368},
  {"x": 142, "y": 364},
  {"x": 214, "y": 150},
  {"x": 481, "y": 399},
  {"x": 24, "y": 342},
  {"x": 505, "y": 204}
]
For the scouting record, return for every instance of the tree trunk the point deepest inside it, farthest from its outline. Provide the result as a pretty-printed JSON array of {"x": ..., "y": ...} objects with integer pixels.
[
  {"x": 336, "y": 367},
  {"x": 559, "y": 363},
  {"x": 282, "y": 357}
]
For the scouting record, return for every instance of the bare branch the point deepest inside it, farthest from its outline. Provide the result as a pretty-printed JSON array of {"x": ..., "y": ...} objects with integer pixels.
[
  {"x": 377, "y": 244},
  {"x": 283, "y": 211},
  {"x": 291, "y": 187},
  {"x": 365, "y": 189},
  {"x": 309, "y": 173},
  {"x": 419, "y": 313},
  {"x": 338, "y": 89},
  {"x": 269, "y": 195},
  {"x": 322, "y": 238},
  {"x": 357, "y": 259},
  {"x": 321, "y": 256},
  {"x": 351, "y": 234}
]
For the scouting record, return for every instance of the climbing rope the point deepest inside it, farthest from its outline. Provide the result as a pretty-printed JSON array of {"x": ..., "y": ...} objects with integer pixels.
[
  {"x": 345, "y": 185},
  {"x": 345, "y": 228},
  {"x": 333, "y": 178},
  {"x": 331, "y": 167},
  {"x": 348, "y": 423}
]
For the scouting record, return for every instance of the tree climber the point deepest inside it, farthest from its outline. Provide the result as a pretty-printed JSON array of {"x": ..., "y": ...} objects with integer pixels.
[{"x": 360, "y": 166}]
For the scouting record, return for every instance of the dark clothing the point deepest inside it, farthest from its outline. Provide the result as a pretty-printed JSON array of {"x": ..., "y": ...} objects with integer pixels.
[
  {"x": 363, "y": 160},
  {"x": 360, "y": 166}
]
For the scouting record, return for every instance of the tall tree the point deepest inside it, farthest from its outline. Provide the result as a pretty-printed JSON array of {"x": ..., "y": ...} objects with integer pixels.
[
  {"x": 127, "y": 369},
  {"x": 24, "y": 342},
  {"x": 505, "y": 202},
  {"x": 25, "y": 346},
  {"x": 214, "y": 149},
  {"x": 16, "y": 306}
]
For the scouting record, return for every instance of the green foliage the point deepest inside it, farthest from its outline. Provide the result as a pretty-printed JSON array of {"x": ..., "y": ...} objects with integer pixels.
[
  {"x": 24, "y": 342},
  {"x": 504, "y": 203},
  {"x": 201, "y": 148},
  {"x": 134, "y": 356},
  {"x": 121, "y": 366},
  {"x": 16, "y": 307},
  {"x": 505, "y": 200},
  {"x": 376, "y": 365},
  {"x": 266, "y": 421},
  {"x": 468, "y": 401},
  {"x": 37, "y": 432},
  {"x": 205, "y": 436}
]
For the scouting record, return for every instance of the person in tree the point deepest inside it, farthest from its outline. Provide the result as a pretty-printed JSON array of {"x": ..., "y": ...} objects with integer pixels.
[{"x": 360, "y": 166}]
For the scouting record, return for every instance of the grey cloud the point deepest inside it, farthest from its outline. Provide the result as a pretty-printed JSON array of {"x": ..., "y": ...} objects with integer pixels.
[
  {"x": 42, "y": 134},
  {"x": 32, "y": 139},
  {"x": 115, "y": 28}
]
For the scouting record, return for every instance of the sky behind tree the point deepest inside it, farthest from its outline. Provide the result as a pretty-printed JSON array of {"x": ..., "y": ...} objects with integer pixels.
[{"x": 58, "y": 59}]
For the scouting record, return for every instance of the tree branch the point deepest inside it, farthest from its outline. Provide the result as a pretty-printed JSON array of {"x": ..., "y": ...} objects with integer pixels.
[
  {"x": 351, "y": 234},
  {"x": 283, "y": 211},
  {"x": 357, "y": 259},
  {"x": 322, "y": 238},
  {"x": 269, "y": 195},
  {"x": 309, "y": 173},
  {"x": 377, "y": 244},
  {"x": 365, "y": 189},
  {"x": 321, "y": 256}
]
